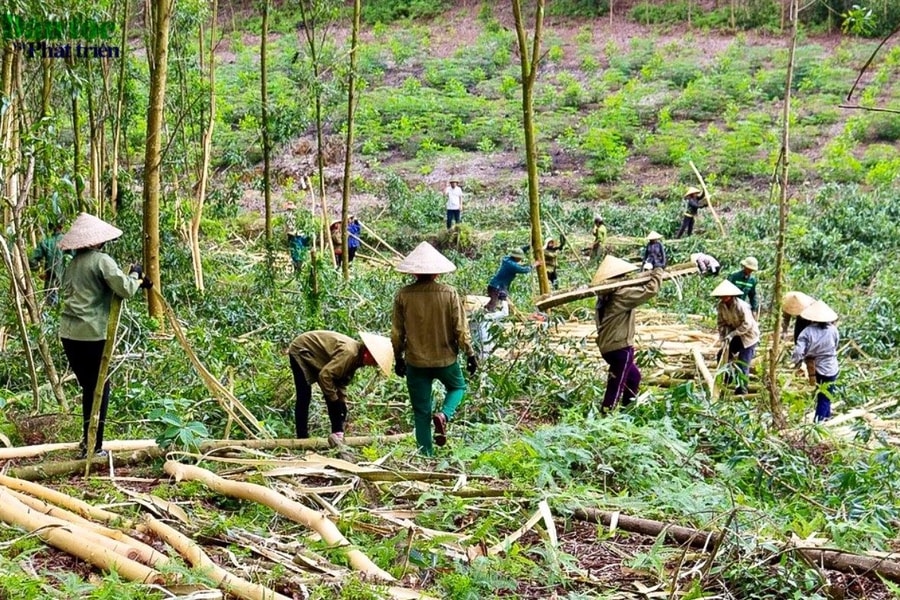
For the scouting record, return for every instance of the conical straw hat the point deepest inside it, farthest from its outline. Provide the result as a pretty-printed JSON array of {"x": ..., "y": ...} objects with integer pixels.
[
  {"x": 654, "y": 236},
  {"x": 380, "y": 348},
  {"x": 819, "y": 312},
  {"x": 750, "y": 263},
  {"x": 726, "y": 288},
  {"x": 793, "y": 303},
  {"x": 425, "y": 260},
  {"x": 87, "y": 231},
  {"x": 692, "y": 190},
  {"x": 611, "y": 267}
]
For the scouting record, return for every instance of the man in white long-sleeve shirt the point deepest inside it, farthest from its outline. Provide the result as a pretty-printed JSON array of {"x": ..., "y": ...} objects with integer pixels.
[
  {"x": 454, "y": 203},
  {"x": 819, "y": 341}
]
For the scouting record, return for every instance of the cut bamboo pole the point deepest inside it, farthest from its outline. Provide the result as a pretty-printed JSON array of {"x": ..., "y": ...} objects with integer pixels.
[
  {"x": 17, "y": 514},
  {"x": 581, "y": 262},
  {"x": 79, "y": 507},
  {"x": 283, "y": 506},
  {"x": 704, "y": 371},
  {"x": 145, "y": 553},
  {"x": 112, "y": 324},
  {"x": 579, "y": 294},
  {"x": 706, "y": 195},
  {"x": 232, "y": 584},
  {"x": 381, "y": 241}
]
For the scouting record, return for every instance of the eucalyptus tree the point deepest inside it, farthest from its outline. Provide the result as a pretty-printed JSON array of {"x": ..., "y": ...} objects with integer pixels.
[
  {"x": 529, "y": 60},
  {"x": 348, "y": 149},
  {"x": 159, "y": 17},
  {"x": 264, "y": 119}
]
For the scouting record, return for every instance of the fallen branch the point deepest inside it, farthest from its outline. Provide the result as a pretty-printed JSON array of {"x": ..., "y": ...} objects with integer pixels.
[
  {"x": 837, "y": 560},
  {"x": 594, "y": 290},
  {"x": 200, "y": 561},
  {"x": 283, "y": 506},
  {"x": 77, "y": 544}
]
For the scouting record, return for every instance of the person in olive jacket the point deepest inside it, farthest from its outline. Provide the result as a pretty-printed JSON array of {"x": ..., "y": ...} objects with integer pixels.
[
  {"x": 429, "y": 329},
  {"x": 331, "y": 359},
  {"x": 614, "y": 316},
  {"x": 89, "y": 283}
]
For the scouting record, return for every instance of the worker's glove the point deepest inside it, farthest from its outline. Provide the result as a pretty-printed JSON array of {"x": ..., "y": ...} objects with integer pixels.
[
  {"x": 400, "y": 367},
  {"x": 648, "y": 266},
  {"x": 137, "y": 271},
  {"x": 146, "y": 283},
  {"x": 472, "y": 365}
]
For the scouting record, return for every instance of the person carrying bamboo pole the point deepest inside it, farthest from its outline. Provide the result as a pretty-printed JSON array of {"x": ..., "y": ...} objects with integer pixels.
[
  {"x": 90, "y": 281},
  {"x": 331, "y": 359},
  {"x": 429, "y": 329},
  {"x": 695, "y": 201},
  {"x": 614, "y": 316},
  {"x": 738, "y": 331},
  {"x": 819, "y": 341}
]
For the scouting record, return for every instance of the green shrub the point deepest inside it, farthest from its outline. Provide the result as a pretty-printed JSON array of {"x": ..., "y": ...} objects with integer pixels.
[
  {"x": 882, "y": 127},
  {"x": 387, "y": 11},
  {"x": 577, "y": 8},
  {"x": 606, "y": 153}
]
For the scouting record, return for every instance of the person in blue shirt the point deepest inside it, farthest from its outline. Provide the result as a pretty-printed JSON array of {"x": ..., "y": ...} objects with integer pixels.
[
  {"x": 498, "y": 287},
  {"x": 354, "y": 229}
]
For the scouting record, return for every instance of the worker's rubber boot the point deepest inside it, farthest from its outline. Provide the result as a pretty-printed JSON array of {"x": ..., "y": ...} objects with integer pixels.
[{"x": 440, "y": 428}]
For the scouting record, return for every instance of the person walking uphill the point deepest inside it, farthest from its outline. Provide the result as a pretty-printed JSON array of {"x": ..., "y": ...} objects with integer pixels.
[
  {"x": 331, "y": 359},
  {"x": 498, "y": 287},
  {"x": 819, "y": 341},
  {"x": 746, "y": 281},
  {"x": 90, "y": 281},
  {"x": 614, "y": 316},
  {"x": 454, "y": 203},
  {"x": 429, "y": 329},
  {"x": 654, "y": 253},
  {"x": 695, "y": 201},
  {"x": 738, "y": 330}
]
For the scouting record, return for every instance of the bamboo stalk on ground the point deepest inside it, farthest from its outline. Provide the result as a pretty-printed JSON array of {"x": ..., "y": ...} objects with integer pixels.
[
  {"x": 199, "y": 560},
  {"x": 283, "y": 506},
  {"x": 78, "y": 543},
  {"x": 79, "y": 507}
]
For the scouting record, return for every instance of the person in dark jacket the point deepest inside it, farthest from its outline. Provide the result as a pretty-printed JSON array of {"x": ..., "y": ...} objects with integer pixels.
[
  {"x": 614, "y": 316},
  {"x": 654, "y": 254},
  {"x": 695, "y": 201},
  {"x": 331, "y": 359},
  {"x": 819, "y": 341},
  {"x": 551, "y": 258},
  {"x": 746, "y": 281},
  {"x": 429, "y": 329},
  {"x": 354, "y": 230},
  {"x": 90, "y": 281},
  {"x": 53, "y": 259},
  {"x": 498, "y": 287}
]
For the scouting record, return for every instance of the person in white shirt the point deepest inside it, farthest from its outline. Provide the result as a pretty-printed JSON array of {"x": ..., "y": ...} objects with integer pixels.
[{"x": 454, "y": 203}]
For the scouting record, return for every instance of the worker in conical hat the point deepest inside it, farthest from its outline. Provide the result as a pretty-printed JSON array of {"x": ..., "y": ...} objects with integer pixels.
[
  {"x": 706, "y": 263},
  {"x": 695, "y": 201},
  {"x": 331, "y": 359},
  {"x": 738, "y": 331},
  {"x": 792, "y": 305},
  {"x": 90, "y": 281},
  {"x": 551, "y": 258},
  {"x": 510, "y": 266},
  {"x": 614, "y": 317},
  {"x": 429, "y": 328},
  {"x": 654, "y": 254},
  {"x": 746, "y": 281},
  {"x": 820, "y": 341}
]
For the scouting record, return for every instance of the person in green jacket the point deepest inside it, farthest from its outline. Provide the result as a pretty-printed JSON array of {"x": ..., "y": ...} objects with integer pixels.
[
  {"x": 331, "y": 359},
  {"x": 429, "y": 328},
  {"x": 599, "y": 233},
  {"x": 614, "y": 316},
  {"x": 746, "y": 281},
  {"x": 551, "y": 258},
  {"x": 53, "y": 259},
  {"x": 89, "y": 283}
]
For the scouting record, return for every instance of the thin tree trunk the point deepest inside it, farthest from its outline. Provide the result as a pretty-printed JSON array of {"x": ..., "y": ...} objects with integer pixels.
[
  {"x": 348, "y": 150},
  {"x": 264, "y": 101},
  {"x": 197, "y": 213},
  {"x": 152, "y": 154},
  {"x": 23, "y": 326},
  {"x": 93, "y": 162},
  {"x": 775, "y": 406},
  {"x": 120, "y": 101},
  {"x": 76, "y": 144},
  {"x": 529, "y": 64}
]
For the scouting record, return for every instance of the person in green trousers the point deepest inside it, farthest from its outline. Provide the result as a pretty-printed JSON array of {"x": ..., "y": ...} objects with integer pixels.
[{"x": 428, "y": 330}]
